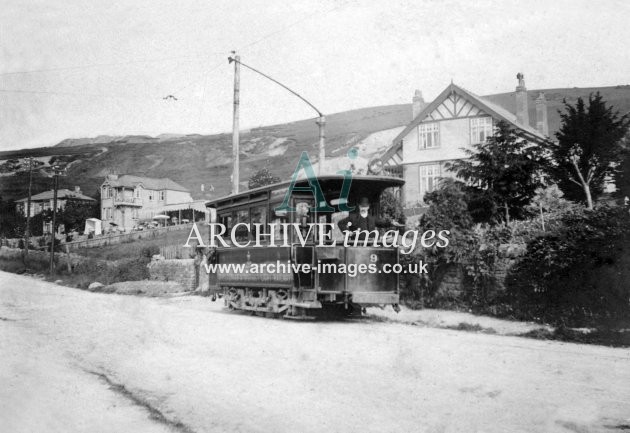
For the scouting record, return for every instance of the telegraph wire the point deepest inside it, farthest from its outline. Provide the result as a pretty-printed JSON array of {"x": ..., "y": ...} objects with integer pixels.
[
  {"x": 293, "y": 24},
  {"x": 200, "y": 78},
  {"x": 98, "y": 65},
  {"x": 92, "y": 95}
]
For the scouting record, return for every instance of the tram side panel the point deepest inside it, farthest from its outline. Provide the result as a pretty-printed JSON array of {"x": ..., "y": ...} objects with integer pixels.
[
  {"x": 376, "y": 286},
  {"x": 257, "y": 256},
  {"x": 373, "y": 286}
]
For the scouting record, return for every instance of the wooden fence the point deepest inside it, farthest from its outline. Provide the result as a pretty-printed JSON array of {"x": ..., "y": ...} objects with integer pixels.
[
  {"x": 177, "y": 252},
  {"x": 99, "y": 241}
]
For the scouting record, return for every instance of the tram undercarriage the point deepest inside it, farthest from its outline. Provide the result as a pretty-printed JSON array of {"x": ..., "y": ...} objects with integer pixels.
[{"x": 292, "y": 304}]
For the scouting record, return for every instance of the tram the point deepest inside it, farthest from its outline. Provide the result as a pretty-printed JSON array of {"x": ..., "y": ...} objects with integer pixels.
[{"x": 323, "y": 291}]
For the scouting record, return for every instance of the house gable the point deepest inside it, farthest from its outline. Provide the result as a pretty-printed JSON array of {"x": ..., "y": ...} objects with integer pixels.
[
  {"x": 453, "y": 103},
  {"x": 454, "y": 106}
]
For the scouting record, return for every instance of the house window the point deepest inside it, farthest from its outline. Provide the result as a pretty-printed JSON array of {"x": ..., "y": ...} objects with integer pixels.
[
  {"x": 428, "y": 135},
  {"x": 480, "y": 129},
  {"x": 150, "y": 195},
  {"x": 162, "y": 195},
  {"x": 429, "y": 177},
  {"x": 138, "y": 193}
]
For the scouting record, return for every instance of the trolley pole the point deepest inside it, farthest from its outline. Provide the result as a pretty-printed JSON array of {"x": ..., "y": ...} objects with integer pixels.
[
  {"x": 235, "y": 119},
  {"x": 321, "y": 120},
  {"x": 52, "y": 229}
]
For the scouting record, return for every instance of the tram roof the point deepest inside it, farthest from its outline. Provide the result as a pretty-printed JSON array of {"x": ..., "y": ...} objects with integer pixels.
[{"x": 325, "y": 181}]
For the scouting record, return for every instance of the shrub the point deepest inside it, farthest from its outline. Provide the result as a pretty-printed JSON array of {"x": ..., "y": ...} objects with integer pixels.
[
  {"x": 471, "y": 253},
  {"x": 131, "y": 269},
  {"x": 150, "y": 251},
  {"x": 577, "y": 274}
]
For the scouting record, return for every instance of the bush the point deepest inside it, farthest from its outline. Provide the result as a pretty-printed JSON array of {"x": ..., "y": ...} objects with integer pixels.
[
  {"x": 577, "y": 274},
  {"x": 150, "y": 251},
  {"x": 131, "y": 269}
]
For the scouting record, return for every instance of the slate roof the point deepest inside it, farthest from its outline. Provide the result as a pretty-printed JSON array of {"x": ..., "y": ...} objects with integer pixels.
[
  {"x": 130, "y": 181},
  {"x": 62, "y": 194},
  {"x": 491, "y": 108}
]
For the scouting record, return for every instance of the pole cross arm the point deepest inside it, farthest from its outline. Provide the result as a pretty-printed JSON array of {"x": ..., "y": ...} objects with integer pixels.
[{"x": 233, "y": 59}]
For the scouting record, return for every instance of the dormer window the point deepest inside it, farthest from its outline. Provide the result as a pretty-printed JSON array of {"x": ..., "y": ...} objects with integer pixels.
[
  {"x": 428, "y": 136},
  {"x": 480, "y": 129}
]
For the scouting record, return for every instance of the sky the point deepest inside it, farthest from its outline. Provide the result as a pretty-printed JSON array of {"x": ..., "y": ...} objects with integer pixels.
[{"x": 71, "y": 69}]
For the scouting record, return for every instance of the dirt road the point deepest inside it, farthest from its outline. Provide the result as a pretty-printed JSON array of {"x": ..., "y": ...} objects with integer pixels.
[{"x": 74, "y": 361}]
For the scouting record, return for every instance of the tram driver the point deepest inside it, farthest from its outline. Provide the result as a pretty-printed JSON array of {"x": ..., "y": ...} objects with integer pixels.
[{"x": 362, "y": 220}]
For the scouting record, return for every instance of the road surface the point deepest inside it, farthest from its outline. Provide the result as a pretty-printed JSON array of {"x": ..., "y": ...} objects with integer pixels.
[{"x": 74, "y": 361}]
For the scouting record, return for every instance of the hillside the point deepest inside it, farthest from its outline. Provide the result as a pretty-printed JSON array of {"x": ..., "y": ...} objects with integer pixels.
[
  {"x": 193, "y": 160},
  {"x": 617, "y": 96}
]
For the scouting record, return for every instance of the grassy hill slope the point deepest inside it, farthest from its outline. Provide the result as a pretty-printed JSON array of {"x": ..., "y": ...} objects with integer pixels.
[{"x": 193, "y": 160}]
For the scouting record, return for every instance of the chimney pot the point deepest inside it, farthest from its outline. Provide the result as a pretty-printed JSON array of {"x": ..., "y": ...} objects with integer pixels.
[
  {"x": 542, "y": 124},
  {"x": 417, "y": 104},
  {"x": 522, "y": 109}
]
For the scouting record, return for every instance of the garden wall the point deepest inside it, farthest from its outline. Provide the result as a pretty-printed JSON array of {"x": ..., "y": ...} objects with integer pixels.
[
  {"x": 182, "y": 271},
  {"x": 453, "y": 284}
]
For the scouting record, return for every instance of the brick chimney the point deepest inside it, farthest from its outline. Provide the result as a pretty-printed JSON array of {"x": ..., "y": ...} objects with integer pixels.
[
  {"x": 542, "y": 125},
  {"x": 522, "y": 113},
  {"x": 77, "y": 189},
  {"x": 417, "y": 105}
]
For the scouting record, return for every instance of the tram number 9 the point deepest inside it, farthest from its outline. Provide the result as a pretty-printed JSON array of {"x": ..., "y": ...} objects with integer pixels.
[{"x": 373, "y": 258}]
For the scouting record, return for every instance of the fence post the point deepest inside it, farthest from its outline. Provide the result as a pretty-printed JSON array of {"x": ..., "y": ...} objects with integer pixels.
[{"x": 68, "y": 259}]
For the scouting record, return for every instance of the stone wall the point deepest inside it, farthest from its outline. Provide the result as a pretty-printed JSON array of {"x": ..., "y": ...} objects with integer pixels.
[
  {"x": 182, "y": 271},
  {"x": 452, "y": 283}
]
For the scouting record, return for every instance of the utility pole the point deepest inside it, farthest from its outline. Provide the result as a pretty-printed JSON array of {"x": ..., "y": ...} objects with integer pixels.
[
  {"x": 52, "y": 242},
  {"x": 27, "y": 231},
  {"x": 321, "y": 122},
  {"x": 235, "y": 119}
]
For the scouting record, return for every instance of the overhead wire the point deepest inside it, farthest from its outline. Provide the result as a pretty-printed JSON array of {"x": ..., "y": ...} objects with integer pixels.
[
  {"x": 293, "y": 24},
  {"x": 203, "y": 76},
  {"x": 99, "y": 65}
]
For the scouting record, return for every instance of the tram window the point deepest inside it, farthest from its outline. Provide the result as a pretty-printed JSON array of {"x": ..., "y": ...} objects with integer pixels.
[
  {"x": 278, "y": 218},
  {"x": 241, "y": 233},
  {"x": 334, "y": 219},
  {"x": 227, "y": 220},
  {"x": 303, "y": 217},
  {"x": 259, "y": 216},
  {"x": 324, "y": 219}
]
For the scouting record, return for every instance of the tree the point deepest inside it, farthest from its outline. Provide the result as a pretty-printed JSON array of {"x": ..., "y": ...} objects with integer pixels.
[
  {"x": 391, "y": 207},
  {"x": 11, "y": 220},
  {"x": 502, "y": 172},
  {"x": 261, "y": 178},
  {"x": 75, "y": 213},
  {"x": 622, "y": 174},
  {"x": 447, "y": 207},
  {"x": 588, "y": 149}
]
